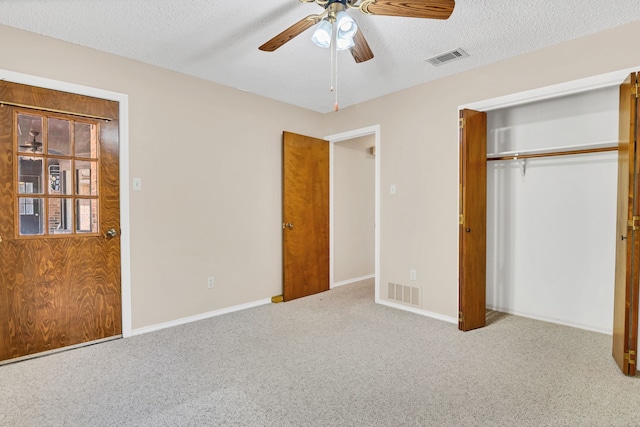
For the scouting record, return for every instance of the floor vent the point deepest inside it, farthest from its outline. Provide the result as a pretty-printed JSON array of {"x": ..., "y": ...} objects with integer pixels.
[
  {"x": 447, "y": 57},
  {"x": 404, "y": 294}
]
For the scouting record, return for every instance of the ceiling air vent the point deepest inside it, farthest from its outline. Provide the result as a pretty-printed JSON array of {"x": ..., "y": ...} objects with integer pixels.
[{"x": 447, "y": 57}]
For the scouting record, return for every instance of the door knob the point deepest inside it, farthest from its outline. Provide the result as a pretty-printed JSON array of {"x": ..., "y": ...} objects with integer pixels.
[
  {"x": 468, "y": 230},
  {"x": 111, "y": 233},
  {"x": 287, "y": 225}
]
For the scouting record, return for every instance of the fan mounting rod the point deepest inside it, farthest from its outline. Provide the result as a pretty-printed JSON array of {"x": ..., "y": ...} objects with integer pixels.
[{"x": 333, "y": 6}]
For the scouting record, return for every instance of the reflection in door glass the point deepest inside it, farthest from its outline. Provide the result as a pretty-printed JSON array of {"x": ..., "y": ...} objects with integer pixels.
[
  {"x": 86, "y": 140},
  {"x": 59, "y": 171},
  {"x": 56, "y": 190},
  {"x": 60, "y": 216},
  {"x": 59, "y": 137},
  {"x": 31, "y": 216},
  {"x": 29, "y": 134},
  {"x": 86, "y": 178},
  {"x": 86, "y": 216},
  {"x": 30, "y": 175}
]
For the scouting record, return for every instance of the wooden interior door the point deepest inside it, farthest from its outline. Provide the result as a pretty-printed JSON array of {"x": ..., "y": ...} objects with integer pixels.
[
  {"x": 472, "y": 263},
  {"x": 59, "y": 220},
  {"x": 625, "y": 311},
  {"x": 305, "y": 224}
]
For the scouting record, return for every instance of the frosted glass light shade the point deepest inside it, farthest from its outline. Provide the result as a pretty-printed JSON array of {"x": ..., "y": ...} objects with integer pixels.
[
  {"x": 345, "y": 43},
  {"x": 347, "y": 27},
  {"x": 322, "y": 34}
]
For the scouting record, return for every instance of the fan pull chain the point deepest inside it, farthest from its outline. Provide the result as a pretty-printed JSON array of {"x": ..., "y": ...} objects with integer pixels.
[{"x": 334, "y": 63}]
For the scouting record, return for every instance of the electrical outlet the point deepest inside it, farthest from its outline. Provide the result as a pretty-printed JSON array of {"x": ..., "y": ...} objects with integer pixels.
[
  {"x": 412, "y": 274},
  {"x": 210, "y": 282}
]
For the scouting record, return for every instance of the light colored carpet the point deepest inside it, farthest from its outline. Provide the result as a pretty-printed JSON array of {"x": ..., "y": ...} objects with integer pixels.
[{"x": 333, "y": 359}]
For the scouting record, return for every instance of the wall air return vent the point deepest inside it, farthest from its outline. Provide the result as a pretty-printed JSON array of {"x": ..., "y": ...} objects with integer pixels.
[
  {"x": 447, "y": 57},
  {"x": 404, "y": 294}
]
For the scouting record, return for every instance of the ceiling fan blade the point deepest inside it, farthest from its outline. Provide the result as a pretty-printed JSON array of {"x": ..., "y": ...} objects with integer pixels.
[
  {"x": 361, "y": 51},
  {"x": 432, "y": 9},
  {"x": 290, "y": 33}
]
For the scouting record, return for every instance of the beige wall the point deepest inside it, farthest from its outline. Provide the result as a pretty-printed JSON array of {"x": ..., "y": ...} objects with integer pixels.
[
  {"x": 210, "y": 160},
  {"x": 353, "y": 208},
  {"x": 419, "y": 153}
]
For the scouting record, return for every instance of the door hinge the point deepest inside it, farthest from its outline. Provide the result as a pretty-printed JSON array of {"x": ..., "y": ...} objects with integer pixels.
[
  {"x": 633, "y": 223},
  {"x": 630, "y": 357},
  {"x": 461, "y": 219},
  {"x": 461, "y": 123},
  {"x": 635, "y": 90},
  {"x": 460, "y": 317}
]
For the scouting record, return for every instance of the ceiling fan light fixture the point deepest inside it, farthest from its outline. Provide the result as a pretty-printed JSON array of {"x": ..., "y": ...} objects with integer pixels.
[
  {"x": 347, "y": 27},
  {"x": 322, "y": 34},
  {"x": 343, "y": 44}
]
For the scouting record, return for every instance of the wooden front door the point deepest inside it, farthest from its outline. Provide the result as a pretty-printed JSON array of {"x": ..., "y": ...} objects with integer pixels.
[
  {"x": 59, "y": 220},
  {"x": 305, "y": 215},
  {"x": 472, "y": 273},
  {"x": 625, "y": 310}
]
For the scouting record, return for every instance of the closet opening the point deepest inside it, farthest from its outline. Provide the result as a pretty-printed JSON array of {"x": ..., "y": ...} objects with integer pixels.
[
  {"x": 552, "y": 169},
  {"x": 548, "y": 200}
]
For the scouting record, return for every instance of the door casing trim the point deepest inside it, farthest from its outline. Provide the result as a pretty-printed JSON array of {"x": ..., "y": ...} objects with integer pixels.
[
  {"x": 549, "y": 92},
  {"x": 125, "y": 237},
  {"x": 370, "y": 130}
]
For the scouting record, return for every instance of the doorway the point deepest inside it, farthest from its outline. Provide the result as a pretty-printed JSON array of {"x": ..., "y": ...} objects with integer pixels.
[{"x": 374, "y": 133}]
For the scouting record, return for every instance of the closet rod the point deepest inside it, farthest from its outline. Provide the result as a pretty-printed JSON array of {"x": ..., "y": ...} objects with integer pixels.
[{"x": 553, "y": 153}]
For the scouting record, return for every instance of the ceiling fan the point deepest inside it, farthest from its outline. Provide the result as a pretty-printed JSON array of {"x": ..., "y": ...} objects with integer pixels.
[
  {"x": 347, "y": 31},
  {"x": 34, "y": 146}
]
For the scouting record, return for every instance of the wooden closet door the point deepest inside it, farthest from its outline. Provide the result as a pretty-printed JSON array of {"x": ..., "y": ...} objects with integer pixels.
[
  {"x": 625, "y": 311},
  {"x": 472, "y": 281}
]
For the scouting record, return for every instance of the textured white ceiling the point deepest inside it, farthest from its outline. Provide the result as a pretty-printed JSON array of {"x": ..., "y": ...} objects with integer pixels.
[{"x": 218, "y": 40}]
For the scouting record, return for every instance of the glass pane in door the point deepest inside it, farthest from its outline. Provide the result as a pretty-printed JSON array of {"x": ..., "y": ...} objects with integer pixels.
[
  {"x": 60, "y": 216},
  {"x": 29, "y": 134},
  {"x": 86, "y": 178},
  {"x": 59, "y": 137},
  {"x": 59, "y": 171},
  {"x": 87, "y": 216},
  {"x": 31, "y": 216},
  {"x": 30, "y": 175},
  {"x": 86, "y": 140}
]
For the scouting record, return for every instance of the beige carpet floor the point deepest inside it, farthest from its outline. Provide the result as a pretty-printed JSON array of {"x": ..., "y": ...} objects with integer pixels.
[{"x": 333, "y": 359}]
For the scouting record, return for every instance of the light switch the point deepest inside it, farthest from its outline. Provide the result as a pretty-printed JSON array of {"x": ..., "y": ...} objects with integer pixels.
[
  {"x": 392, "y": 189},
  {"x": 137, "y": 184}
]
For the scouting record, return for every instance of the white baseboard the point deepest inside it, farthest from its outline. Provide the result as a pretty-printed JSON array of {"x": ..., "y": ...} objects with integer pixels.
[
  {"x": 418, "y": 311},
  {"x": 182, "y": 321},
  {"x": 357, "y": 279},
  {"x": 551, "y": 320}
]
